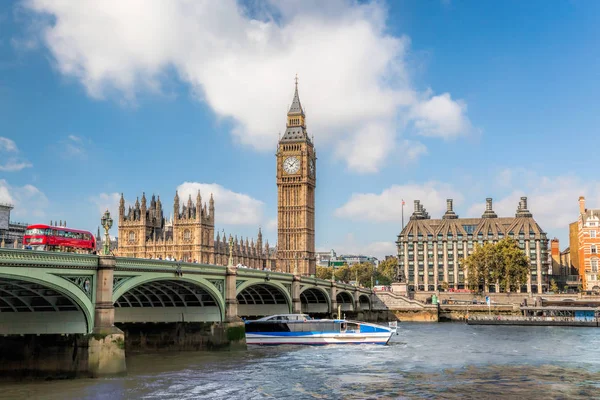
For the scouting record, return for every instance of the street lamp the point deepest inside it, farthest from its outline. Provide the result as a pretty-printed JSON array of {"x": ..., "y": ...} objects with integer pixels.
[{"x": 106, "y": 224}]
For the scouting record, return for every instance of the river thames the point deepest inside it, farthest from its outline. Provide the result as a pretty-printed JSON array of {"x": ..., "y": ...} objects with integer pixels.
[{"x": 434, "y": 361}]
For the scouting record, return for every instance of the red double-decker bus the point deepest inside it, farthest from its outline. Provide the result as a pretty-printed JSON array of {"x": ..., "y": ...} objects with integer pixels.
[{"x": 58, "y": 238}]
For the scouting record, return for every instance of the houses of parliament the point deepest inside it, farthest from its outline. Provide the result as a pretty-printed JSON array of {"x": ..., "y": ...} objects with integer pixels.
[{"x": 189, "y": 235}]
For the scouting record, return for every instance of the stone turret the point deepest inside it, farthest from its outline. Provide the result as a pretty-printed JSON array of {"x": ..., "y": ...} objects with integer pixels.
[
  {"x": 489, "y": 212},
  {"x": 450, "y": 214},
  {"x": 522, "y": 210}
]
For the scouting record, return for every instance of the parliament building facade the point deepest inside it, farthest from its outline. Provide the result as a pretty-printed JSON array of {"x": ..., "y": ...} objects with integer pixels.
[{"x": 189, "y": 235}]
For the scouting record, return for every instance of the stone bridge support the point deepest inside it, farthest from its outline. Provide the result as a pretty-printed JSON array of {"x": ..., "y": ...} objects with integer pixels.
[
  {"x": 333, "y": 297},
  {"x": 106, "y": 354},
  {"x": 231, "y": 303},
  {"x": 356, "y": 297},
  {"x": 296, "y": 303}
]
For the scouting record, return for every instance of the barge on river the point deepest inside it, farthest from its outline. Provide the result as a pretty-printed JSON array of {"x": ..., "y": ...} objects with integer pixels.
[
  {"x": 544, "y": 316},
  {"x": 302, "y": 329}
]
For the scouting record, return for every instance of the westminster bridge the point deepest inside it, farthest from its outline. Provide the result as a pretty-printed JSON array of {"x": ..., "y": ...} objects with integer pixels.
[
  {"x": 66, "y": 293},
  {"x": 76, "y": 314}
]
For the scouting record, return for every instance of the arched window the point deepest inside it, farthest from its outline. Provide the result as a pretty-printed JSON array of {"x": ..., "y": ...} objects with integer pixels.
[
  {"x": 187, "y": 235},
  {"x": 131, "y": 236},
  {"x": 593, "y": 249}
]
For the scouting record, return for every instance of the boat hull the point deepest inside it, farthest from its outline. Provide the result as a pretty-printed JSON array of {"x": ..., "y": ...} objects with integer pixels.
[{"x": 380, "y": 338}]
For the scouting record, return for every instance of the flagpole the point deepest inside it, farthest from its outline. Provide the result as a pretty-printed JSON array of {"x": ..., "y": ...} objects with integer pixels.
[{"x": 402, "y": 214}]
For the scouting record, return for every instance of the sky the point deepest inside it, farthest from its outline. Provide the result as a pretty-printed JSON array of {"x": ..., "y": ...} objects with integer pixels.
[{"x": 406, "y": 100}]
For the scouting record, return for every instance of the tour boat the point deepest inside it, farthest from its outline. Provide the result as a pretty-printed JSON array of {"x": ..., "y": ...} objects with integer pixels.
[{"x": 302, "y": 329}]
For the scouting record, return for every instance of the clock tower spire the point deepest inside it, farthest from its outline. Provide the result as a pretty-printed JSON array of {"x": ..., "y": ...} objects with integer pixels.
[{"x": 296, "y": 182}]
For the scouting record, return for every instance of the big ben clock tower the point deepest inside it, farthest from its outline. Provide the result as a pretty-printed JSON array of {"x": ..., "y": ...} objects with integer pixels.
[{"x": 296, "y": 181}]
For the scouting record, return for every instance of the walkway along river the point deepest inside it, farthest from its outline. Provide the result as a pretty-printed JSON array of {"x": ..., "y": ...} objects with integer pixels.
[{"x": 442, "y": 361}]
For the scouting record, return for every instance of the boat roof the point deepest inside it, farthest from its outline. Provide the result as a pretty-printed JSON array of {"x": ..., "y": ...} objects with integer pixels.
[{"x": 293, "y": 317}]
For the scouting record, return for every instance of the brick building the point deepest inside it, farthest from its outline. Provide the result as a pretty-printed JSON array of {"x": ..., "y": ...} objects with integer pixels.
[{"x": 584, "y": 237}]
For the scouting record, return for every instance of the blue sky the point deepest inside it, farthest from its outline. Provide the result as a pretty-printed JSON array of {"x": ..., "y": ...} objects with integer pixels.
[{"x": 406, "y": 100}]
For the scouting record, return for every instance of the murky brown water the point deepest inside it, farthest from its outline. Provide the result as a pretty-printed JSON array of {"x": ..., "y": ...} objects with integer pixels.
[{"x": 425, "y": 361}]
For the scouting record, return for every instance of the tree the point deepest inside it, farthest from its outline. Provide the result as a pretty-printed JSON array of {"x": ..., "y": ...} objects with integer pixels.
[
  {"x": 502, "y": 263},
  {"x": 387, "y": 271},
  {"x": 323, "y": 272},
  {"x": 553, "y": 286}
]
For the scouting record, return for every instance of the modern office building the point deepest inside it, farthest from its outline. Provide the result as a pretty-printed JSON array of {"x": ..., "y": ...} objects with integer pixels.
[{"x": 430, "y": 250}]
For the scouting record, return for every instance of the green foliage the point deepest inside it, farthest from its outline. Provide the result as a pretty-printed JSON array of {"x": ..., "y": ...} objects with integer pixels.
[
  {"x": 553, "y": 286},
  {"x": 503, "y": 263},
  {"x": 364, "y": 273},
  {"x": 387, "y": 271}
]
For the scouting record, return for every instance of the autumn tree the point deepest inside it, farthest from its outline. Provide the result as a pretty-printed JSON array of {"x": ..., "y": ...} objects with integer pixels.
[
  {"x": 502, "y": 263},
  {"x": 387, "y": 271}
]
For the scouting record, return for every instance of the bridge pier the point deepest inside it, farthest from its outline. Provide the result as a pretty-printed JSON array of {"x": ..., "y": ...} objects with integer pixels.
[
  {"x": 106, "y": 352},
  {"x": 296, "y": 302},
  {"x": 333, "y": 297}
]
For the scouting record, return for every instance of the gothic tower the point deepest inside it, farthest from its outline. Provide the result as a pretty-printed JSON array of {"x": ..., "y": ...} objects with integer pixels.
[{"x": 296, "y": 181}]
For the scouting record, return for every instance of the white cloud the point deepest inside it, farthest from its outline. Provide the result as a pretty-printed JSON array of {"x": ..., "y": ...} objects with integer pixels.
[
  {"x": 553, "y": 201},
  {"x": 440, "y": 116},
  {"x": 387, "y": 205},
  {"x": 28, "y": 201},
  {"x": 241, "y": 61},
  {"x": 7, "y": 144},
  {"x": 231, "y": 208},
  {"x": 411, "y": 150},
  {"x": 107, "y": 201},
  {"x": 9, "y": 155},
  {"x": 73, "y": 146},
  {"x": 272, "y": 225}
]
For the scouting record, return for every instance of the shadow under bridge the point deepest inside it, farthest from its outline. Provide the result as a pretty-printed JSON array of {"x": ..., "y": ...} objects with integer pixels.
[
  {"x": 29, "y": 306},
  {"x": 167, "y": 300},
  {"x": 262, "y": 299}
]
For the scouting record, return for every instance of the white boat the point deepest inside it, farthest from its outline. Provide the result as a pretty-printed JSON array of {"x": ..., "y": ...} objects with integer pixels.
[{"x": 302, "y": 329}]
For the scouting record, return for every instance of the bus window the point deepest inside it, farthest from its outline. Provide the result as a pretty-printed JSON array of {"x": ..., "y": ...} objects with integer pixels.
[{"x": 62, "y": 234}]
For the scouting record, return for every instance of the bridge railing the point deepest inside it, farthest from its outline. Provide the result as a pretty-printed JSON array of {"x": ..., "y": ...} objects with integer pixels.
[{"x": 17, "y": 257}]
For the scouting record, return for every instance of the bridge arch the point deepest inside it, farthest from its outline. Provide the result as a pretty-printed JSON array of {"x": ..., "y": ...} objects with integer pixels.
[
  {"x": 166, "y": 298},
  {"x": 50, "y": 305},
  {"x": 315, "y": 300},
  {"x": 364, "y": 302},
  {"x": 260, "y": 298},
  {"x": 345, "y": 300}
]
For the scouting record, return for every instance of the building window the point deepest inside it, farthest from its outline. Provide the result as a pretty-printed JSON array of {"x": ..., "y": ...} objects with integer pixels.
[
  {"x": 593, "y": 249},
  {"x": 131, "y": 236},
  {"x": 594, "y": 265},
  {"x": 592, "y": 234},
  {"x": 186, "y": 234}
]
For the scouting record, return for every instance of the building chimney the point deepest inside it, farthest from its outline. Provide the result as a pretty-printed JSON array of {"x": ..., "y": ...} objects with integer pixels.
[
  {"x": 450, "y": 214},
  {"x": 581, "y": 205},
  {"x": 489, "y": 212},
  {"x": 522, "y": 210},
  {"x": 554, "y": 247},
  {"x": 416, "y": 206}
]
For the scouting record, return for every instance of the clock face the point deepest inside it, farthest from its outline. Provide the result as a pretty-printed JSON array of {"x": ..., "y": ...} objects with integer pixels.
[
  {"x": 291, "y": 165},
  {"x": 311, "y": 167}
]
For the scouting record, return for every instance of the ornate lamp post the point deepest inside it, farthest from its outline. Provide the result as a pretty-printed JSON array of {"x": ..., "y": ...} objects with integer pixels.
[
  {"x": 230, "y": 261},
  {"x": 106, "y": 224}
]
